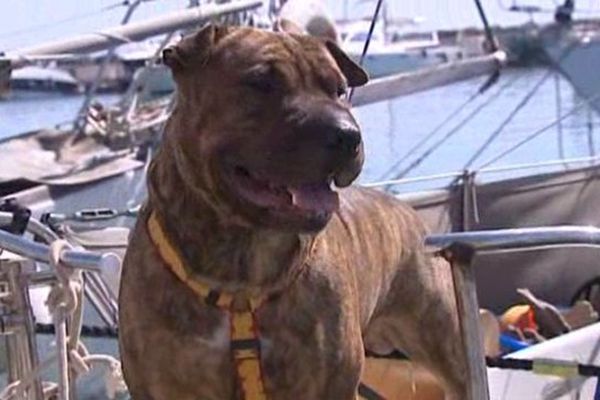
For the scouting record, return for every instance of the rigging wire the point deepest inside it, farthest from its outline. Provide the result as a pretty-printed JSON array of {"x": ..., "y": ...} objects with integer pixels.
[
  {"x": 367, "y": 41},
  {"x": 431, "y": 134},
  {"x": 579, "y": 106},
  {"x": 489, "y": 82},
  {"x": 494, "y": 135},
  {"x": 559, "y": 126},
  {"x": 71, "y": 18},
  {"x": 590, "y": 132},
  {"x": 492, "y": 46},
  {"x": 454, "y": 130}
]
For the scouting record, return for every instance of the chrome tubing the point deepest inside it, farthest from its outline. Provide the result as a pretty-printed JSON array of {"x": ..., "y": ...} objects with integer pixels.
[
  {"x": 33, "y": 226},
  {"x": 519, "y": 238},
  {"x": 84, "y": 260}
]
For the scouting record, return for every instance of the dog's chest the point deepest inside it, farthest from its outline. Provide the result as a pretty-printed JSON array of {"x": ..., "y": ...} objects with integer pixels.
[
  {"x": 302, "y": 350},
  {"x": 217, "y": 339}
]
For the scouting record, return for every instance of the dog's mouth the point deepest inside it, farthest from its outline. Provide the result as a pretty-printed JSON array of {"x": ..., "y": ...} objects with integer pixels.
[{"x": 313, "y": 201}]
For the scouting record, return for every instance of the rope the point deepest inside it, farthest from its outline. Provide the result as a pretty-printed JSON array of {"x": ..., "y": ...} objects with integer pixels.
[
  {"x": 62, "y": 302},
  {"x": 65, "y": 302},
  {"x": 537, "y": 133},
  {"x": 113, "y": 379},
  {"x": 367, "y": 42},
  {"x": 494, "y": 135},
  {"x": 15, "y": 389}
]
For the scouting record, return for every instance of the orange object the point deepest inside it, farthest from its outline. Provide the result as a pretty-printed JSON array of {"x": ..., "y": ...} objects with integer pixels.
[{"x": 520, "y": 316}]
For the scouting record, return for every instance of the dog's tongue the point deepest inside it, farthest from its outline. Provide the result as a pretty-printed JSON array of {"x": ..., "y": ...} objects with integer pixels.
[{"x": 314, "y": 197}]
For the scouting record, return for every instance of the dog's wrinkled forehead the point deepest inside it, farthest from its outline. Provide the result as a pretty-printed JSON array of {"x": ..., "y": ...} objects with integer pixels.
[
  {"x": 244, "y": 48},
  {"x": 283, "y": 51}
]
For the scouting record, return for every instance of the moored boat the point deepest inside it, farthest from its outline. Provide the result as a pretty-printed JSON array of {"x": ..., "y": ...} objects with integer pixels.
[{"x": 35, "y": 82}]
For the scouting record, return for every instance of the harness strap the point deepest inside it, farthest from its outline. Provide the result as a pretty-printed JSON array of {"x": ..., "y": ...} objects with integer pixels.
[
  {"x": 244, "y": 334},
  {"x": 244, "y": 342},
  {"x": 245, "y": 348}
]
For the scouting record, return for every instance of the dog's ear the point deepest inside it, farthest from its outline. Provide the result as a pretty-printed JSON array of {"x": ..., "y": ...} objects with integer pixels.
[
  {"x": 194, "y": 49},
  {"x": 355, "y": 75}
]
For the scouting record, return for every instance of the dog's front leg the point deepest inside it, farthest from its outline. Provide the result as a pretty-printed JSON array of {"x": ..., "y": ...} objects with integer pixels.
[{"x": 420, "y": 318}]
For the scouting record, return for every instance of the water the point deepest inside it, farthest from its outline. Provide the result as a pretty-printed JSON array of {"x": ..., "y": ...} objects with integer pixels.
[
  {"x": 24, "y": 114},
  {"x": 391, "y": 128}
]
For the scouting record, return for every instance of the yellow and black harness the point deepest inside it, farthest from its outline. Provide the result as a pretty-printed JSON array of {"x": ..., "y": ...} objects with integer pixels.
[{"x": 244, "y": 334}]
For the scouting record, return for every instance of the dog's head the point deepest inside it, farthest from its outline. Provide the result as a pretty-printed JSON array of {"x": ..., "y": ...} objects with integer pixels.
[{"x": 262, "y": 129}]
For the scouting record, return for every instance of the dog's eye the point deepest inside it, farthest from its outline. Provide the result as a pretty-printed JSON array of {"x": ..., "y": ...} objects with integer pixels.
[{"x": 262, "y": 80}]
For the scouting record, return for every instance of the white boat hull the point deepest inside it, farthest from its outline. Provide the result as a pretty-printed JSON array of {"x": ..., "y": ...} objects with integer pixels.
[{"x": 384, "y": 64}]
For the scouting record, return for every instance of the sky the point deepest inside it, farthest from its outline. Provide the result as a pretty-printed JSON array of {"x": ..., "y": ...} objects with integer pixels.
[{"x": 27, "y": 22}]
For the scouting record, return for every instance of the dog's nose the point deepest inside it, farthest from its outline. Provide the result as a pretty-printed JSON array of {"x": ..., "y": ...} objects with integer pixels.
[{"x": 344, "y": 138}]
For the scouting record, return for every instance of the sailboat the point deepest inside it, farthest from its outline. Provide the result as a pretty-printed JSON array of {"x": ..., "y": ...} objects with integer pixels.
[{"x": 85, "y": 181}]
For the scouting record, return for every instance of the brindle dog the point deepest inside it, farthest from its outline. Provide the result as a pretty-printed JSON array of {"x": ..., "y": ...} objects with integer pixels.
[{"x": 242, "y": 185}]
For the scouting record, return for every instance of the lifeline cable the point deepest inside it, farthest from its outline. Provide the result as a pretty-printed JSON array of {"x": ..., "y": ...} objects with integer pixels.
[
  {"x": 559, "y": 132},
  {"x": 545, "y": 366}
]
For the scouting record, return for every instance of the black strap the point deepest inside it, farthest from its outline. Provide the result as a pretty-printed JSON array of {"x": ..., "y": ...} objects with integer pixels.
[
  {"x": 367, "y": 393},
  {"x": 394, "y": 355},
  {"x": 245, "y": 344},
  {"x": 20, "y": 217},
  {"x": 212, "y": 298}
]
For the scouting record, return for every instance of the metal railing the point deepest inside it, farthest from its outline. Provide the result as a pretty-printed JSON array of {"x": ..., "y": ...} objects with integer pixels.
[
  {"x": 460, "y": 248},
  {"x": 103, "y": 301},
  {"x": 39, "y": 252},
  {"x": 22, "y": 354},
  {"x": 519, "y": 239}
]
